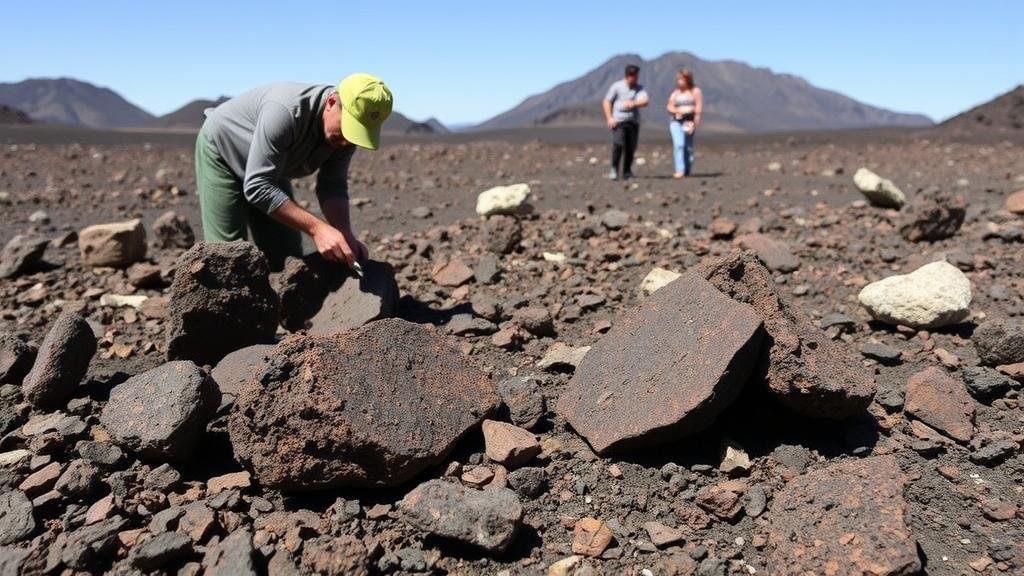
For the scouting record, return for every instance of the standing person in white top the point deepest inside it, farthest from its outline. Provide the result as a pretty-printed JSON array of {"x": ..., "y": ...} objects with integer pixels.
[
  {"x": 622, "y": 107},
  {"x": 685, "y": 105}
]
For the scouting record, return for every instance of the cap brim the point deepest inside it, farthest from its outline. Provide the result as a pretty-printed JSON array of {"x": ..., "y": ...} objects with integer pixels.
[{"x": 358, "y": 134}]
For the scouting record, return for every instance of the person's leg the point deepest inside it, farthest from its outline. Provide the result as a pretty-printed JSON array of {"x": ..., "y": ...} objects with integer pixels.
[
  {"x": 688, "y": 153},
  {"x": 632, "y": 136},
  {"x": 225, "y": 212},
  {"x": 676, "y": 130},
  {"x": 618, "y": 141},
  {"x": 277, "y": 241}
]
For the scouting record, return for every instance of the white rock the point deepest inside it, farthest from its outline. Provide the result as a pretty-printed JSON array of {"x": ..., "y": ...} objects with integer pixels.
[
  {"x": 879, "y": 191},
  {"x": 553, "y": 257},
  {"x": 561, "y": 356},
  {"x": 13, "y": 457},
  {"x": 120, "y": 300},
  {"x": 936, "y": 294},
  {"x": 502, "y": 200},
  {"x": 116, "y": 245},
  {"x": 657, "y": 278}
]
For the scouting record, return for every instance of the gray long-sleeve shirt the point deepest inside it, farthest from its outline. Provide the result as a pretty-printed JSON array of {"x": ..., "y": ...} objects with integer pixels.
[{"x": 274, "y": 133}]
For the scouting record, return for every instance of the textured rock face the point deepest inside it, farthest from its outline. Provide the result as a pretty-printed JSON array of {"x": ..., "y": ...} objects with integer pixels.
[
  {"x": 502, "y": 234},
  {"x": 161, "y": 413},
  {"x": 370, "y": 407},
  {"x": 934, "y": 295},
  {"x": 999, "y": 342},
  {"x": 665, "y": 370},
  {"x": 878, "y": 190},
  {"x": 301, "y": 289},
  {"x": 932, "y": 216},
  {"x": 805, "y": 370},
  {"x": 353, "y": 302},
  {"x": 17, "y": 521},
  {"x": 942, "y": 402},
  {"x": 489, "y": 519},
  {"x": 503, "y": 200},
  {"x": 21, "y": 254},
  {"x": 775, "y": 254},
  {"x": 16, "y": 357},
  {"x": 61, "y": 363},
  {"x": 117, "y": 245},
  {"x": 236, "y": 369},
  {"x": 172, "y": 230},
  {"x": 848, "y": 519},
  {"x": 220, "y": 301}
]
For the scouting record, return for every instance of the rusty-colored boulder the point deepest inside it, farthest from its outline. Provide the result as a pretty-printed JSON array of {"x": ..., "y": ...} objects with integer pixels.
[
  {"x": 847, "y": 519},
  {"x": 665, "y": 370},
  {"x": 803, "y": 368},
  {"x": 373, "y": 406}
]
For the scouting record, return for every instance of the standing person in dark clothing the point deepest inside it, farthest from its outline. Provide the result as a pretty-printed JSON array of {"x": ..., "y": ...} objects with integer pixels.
[{"x": 622, "y": 107}]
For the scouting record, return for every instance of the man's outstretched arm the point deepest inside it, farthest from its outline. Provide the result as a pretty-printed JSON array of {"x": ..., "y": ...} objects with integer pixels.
[{"x": 330, "y": 242}]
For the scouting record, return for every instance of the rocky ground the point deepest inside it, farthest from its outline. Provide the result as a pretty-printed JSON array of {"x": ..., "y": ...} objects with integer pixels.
[{"x": 794, "y": 427}]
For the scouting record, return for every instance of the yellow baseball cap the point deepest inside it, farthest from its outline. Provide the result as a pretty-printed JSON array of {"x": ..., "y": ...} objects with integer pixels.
[{"x": 365, "y": 104}]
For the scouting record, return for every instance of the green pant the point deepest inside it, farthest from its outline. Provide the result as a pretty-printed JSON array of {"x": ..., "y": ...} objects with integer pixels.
[{"x": 227, "y": 214}]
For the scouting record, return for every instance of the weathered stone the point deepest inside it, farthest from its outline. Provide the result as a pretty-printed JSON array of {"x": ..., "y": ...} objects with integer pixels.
[
  {"x": 661, "y": 535},
  {"x": 501, "y": 234},
  {"x": 358, "y": 301},
  {"x": 116, "y": 245},
  {"x": 228, "y": 481},
  {"x": 161, "y": 550},
  {"x": 523, "y": 397},
  {"x": 528, "y": 482},
  {"x": 232, "y": 556},
  {"x": 503, "y": 200},
  {"x": 1015, "y": 202},
  {"x": 591, "y": 537},
  {"x": 656, "y": 279},
  {"x": 172, "y": 230},
  {"x": 932, "y": 215},
  {"x": 13, "y": 560},
  {"x": 507, "y": 444},
  {"x": 724, "y": 499},
  {"x": 489, "y": 519},
  {"x": 16, "y": 358},
  {"x": 334, "y": 556},
  {"x": 61, "y": 363},
  {"x": 665, "y": 370},
  {"x": 239, "y": 367},
  {"x": 161, "y": 413},
  {"x": 85, "y": 547},
  {"x": 850, "y": 518},
  {"x": 17, "y": 520},
  {"x": 878, "y": 190},
  {"x": 301, "y": 288},
  {"x": 388, "y": 400},
  {"x": 22, "y": 254},
  {"x": 941, "y": 401},
  {"x": 934, "y": 295},
  {"x": 722, "y": 227},
  {"x": 774, "y": 253},
  {"x": 614, "y": 219},
  {"x": 79, "y": 480},
  {"x": 221, "y": 300},
  {"x": 535, "y": 319},
  {"x": 986, "y": 383},
  {"x": 41, "y": 481},
  {"x": 999, "y": 341},
  {"x": 561, "y": 357},
  {"x": 801, "y": 366},
  {"x": 454, "y": 273}
]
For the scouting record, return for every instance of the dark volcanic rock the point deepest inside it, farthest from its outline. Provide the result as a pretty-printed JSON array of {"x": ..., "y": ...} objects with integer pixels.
[
  {"x": 221, "y": 300},
  {"x": 941, "y": 401},
  {"x": 665, "y": 370},
  {"x": 16, "y": 357},
  {"x": 986, "y": 383},
  {"x": 501, "y": 234},
  {"x": 847, "y": 519},
  {"x": 387, "y": 400},
  {"x": 61, "y": 363},
  {"x": 162, "y": 550},
  {"x": 489, "y": 518},
  {"x": 999, "y": 341},
  {"x": 21, "y": 254},
  {"x": 806, "y": 371},
  {"x": 302, "y": 291},
  {"x": 17, "y": 520},
  {"x": 524, "y": 400},
  {"x": 172, "y": 230},
  {"x": 161, "y": 413},
  {"x": 932, "y": 215},
  {"x": 236, "y": 369},
  {"x": 358, "y": 301},
  {"x": 84, "y": 547},
  {"x": 232, "y": 556}
]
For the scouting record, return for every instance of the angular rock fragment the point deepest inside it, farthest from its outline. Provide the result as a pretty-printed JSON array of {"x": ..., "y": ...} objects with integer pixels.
[
  {"x": 488, "y": 519},
  {"x": 878, "y": 190},
  {"x": 507, "y": 444},
  {"x": 656, "y": 279},
  {"x": 453, "y": 274},
  {"x": 358, "y": 301},
  {"x": 933, "y": 215},
  {"x": 301, "y": 289},
  {"x": 22, "y": 254},
  {"x": 987, "y": 383},
  {"x": 775, "y": 254},
  {"x": 503, "y": 200},
  {"x": 16, "y": 358},
  {"x": 236, "y": 369},
  {"x": 934, "y": 295},
  {"x": 665, "y": 370},
  {"x": 591, "y": 537},
  {"x": 849, "y": 518},
  {"x": 332, "y": 556},
  {"x": 161, "y": 413},
  {"x": 999, "y": 341},
  {"x": 172, "y": 230},
  {"x": 17, "y": 520},
  {"x": 801, "y": 366},
  {"x": 161, "y": 550},
  {"x": 61, "y": 363},
  {"x": 221, "y": 300},
  {"x": 501, "y": 234},
  {"x": 232, "y": 556},
  {"x": 523, "y": 397},
  {"x": 117, "y": 245},
  {"x": 942, "y": 402},
  {"x": 387, "y": 400}
]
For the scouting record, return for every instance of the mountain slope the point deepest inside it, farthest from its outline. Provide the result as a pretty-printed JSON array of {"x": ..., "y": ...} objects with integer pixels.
[
  {"x": 1004, "y": 113},
  {"x": 10, "y": 115},
  {"x": 398, "y": 123},
  {"x": 69, "y": 101},
  {"x": 738, "y": 97},
  {"x": 188, "y": 116}
]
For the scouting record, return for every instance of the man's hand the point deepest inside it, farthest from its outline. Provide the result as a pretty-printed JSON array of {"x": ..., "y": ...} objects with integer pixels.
[
  {"x": 336, "y": 246},
  {"x": 611, "y": 123}
]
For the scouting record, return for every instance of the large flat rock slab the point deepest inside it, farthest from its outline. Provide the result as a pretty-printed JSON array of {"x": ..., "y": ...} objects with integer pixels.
[
  {"x": 665, "y": 370},
  {"x": 801, "y": 366},
  {"x": 373, "y": 406},
  {"x": 847, "y": 519},
  {"x": 354, "y": 301}
]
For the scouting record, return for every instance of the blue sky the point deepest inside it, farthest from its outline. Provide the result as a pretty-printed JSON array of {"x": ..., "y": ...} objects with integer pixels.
[{"x": 464, "y": 61}]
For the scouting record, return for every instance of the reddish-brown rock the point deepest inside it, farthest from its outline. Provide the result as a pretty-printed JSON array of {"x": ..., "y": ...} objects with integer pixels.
[
  {"x": 1015, "y": 202},
  {"x": 775, "y": 254},
  {"x": 591, "y": 537},
  {"x": 508, "y": 444},
  {"x": 845, "y": 520},
  {"x": 370, "y": 407},
  {"x": 665, "y": 370},
  {"x": 800, "y": 365},
  {"x": 454, "y": 273},
  {"x": 942, "y": 402}
]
